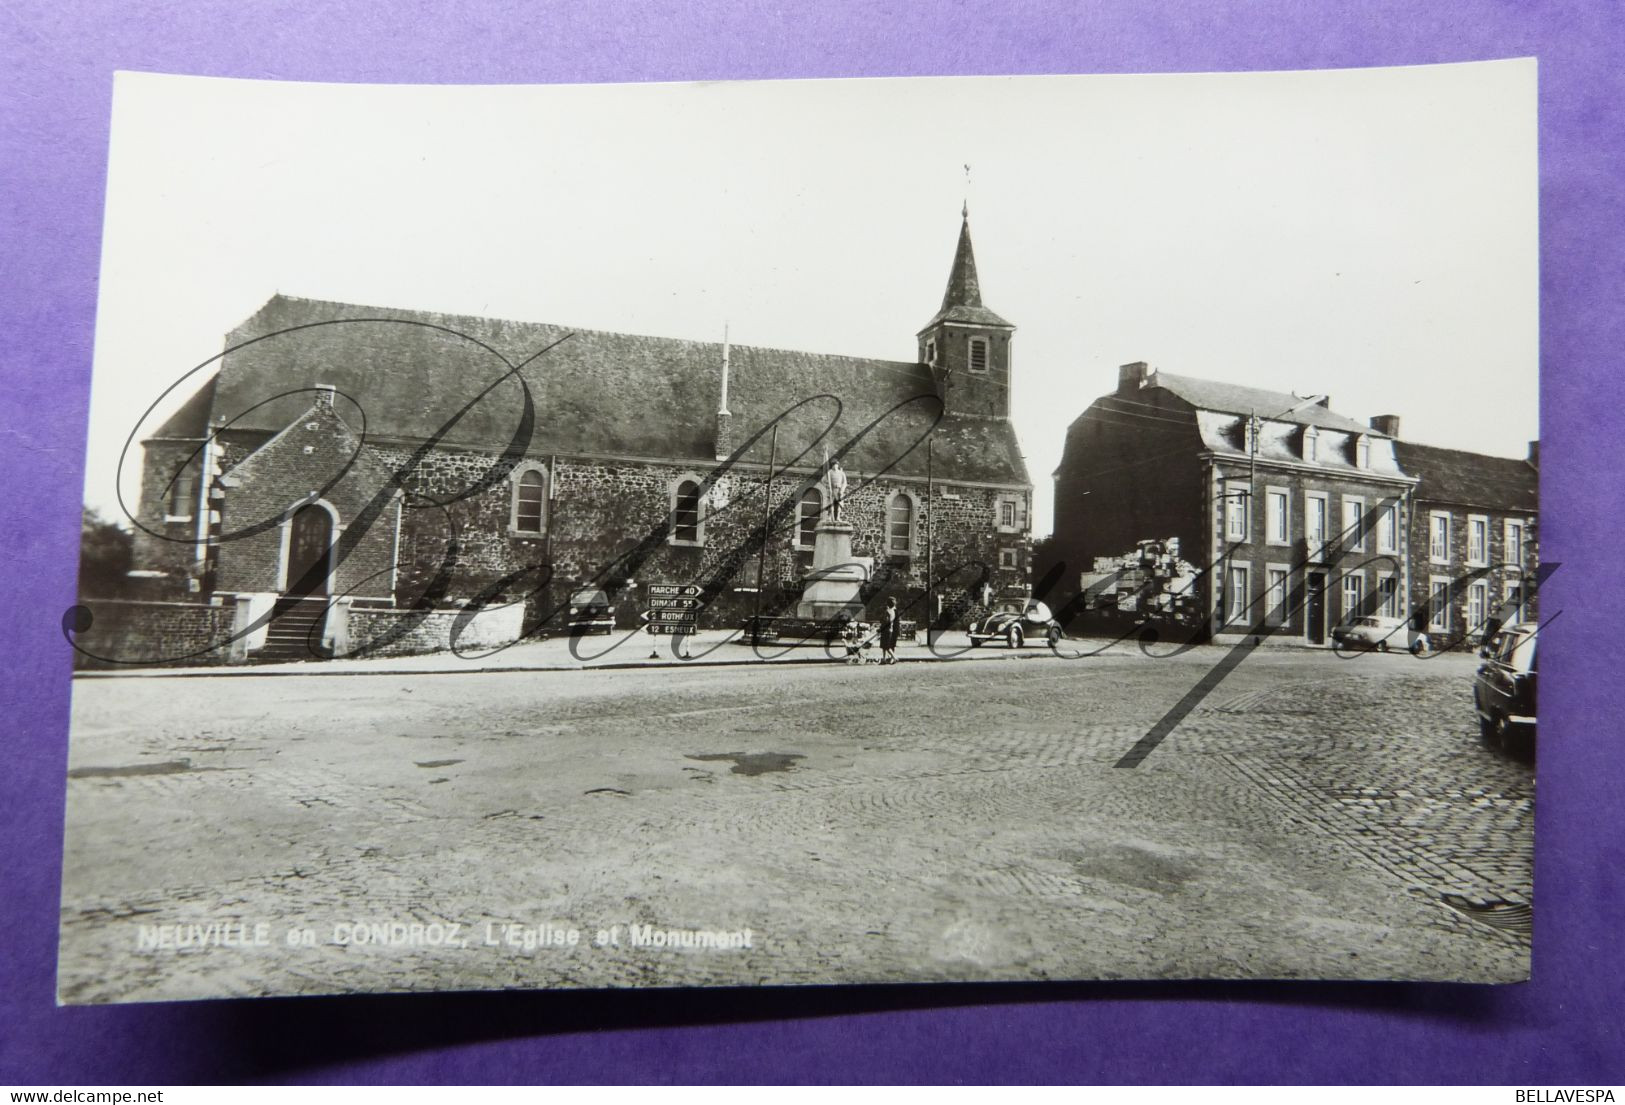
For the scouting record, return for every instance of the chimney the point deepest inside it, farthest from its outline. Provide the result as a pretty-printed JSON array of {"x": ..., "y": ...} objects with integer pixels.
[
  {"x": 1135, "y": 375},
  {"x": 1534, "y": 453},
  {"x": 324, "y": 395},
  {"x": 1386, "y": 424}
]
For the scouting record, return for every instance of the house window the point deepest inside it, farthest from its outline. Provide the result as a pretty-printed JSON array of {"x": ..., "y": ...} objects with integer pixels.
[
  {"x": 1353, "y": 535},
  {"x": 1439, "y": 537},
  {"x": 1512, "y": 608},
  {"x": 529, "y": 502},
  {"x": 1235, "y": 510},
  {"x": 1311, "y": 444},
  {"x": 1439, "y": 603},
  {"x": 1478, "y": 539},
  {"x": 1387, "y": 595},
  {"x": 1008, "y": 515},
  {"x": 1275, "y": 596},
  {"x": 1007, "y": 558},
  {"x": 1388, "y": 529},
  {"x": 978, "y": 354},
  {"x": 1353, "y": 595},
  {"x": 1478, "y": 601},
  {"x": 686, "y": 528},
  {"x": 1315, "y": 510},
  {"x": 811, "y": 506},
  {"x": 1277, "y": 522},
  {"x": 900, "y": 525},
  {"x": 182, "y": 496},
  {"x": 1514, "y": 549},
  {"x": 1235, "y": 593},
  {"x": 1362, "y": 452}
]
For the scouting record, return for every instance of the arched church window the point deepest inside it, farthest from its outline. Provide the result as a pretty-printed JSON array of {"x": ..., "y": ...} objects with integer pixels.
[
  {"x": 529, "y": 502},
  {"x": 686, "y": 512},
  {"x": 900, "y": 525},
  {"x": 812, "y": 505}
]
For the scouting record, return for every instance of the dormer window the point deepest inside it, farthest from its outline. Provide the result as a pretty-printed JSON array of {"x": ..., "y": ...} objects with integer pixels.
[
  {"x": 978, "y": 354},
  {"x": 1311, "y": 444},
  {"x": 1362, "y": 452}
]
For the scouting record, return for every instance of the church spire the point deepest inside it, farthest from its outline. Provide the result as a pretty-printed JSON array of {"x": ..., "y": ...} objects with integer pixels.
[
  {"x": 962, "y": 300},
  {"x": 963, "y": 288}
]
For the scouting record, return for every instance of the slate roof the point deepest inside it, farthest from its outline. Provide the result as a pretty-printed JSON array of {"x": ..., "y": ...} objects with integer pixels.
[
  {"x": 1456, "y": 476},
  {"x": 188, "y": 422},
  {"x": 962, "y": 300},
  {"x": 1216, "y": 395},
  {"x": 595, "y": 393}
]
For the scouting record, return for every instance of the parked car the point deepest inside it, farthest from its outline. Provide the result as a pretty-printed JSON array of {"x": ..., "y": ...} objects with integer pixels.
[
  {"x": 590, "y": 612},
  {"x": 1378, "y": 632},
  {"x": 1014, "y": 621},
  {"x": 1504, "y": 690}
]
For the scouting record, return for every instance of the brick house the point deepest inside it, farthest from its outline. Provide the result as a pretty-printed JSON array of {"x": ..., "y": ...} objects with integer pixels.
[
  {"x": 373, "y": 461},
  {"x": 1295, "y": 516},
  {"x": 1474, "y": 547}
]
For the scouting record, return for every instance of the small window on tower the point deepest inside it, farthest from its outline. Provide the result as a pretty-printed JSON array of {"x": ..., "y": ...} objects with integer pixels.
[
  {"x": 978, "y": 354},
  {"x": 931, "y": 352},
  {"x": 182, "y": 492}
]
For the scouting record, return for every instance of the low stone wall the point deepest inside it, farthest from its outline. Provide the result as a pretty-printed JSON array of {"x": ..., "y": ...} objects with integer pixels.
[
  {"x": 125, "y": 633},
  {"x": 410, "y": 632}
]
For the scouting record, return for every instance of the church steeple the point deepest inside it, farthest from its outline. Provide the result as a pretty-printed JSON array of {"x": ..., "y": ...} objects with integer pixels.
[{"x": 966, "y": 344}]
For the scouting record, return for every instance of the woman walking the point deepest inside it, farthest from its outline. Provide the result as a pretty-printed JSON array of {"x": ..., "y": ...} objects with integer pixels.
[{"x": 891, "y": 623}]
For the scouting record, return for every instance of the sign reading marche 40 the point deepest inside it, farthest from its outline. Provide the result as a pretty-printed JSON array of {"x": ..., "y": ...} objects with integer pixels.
[{"x": 673, "y": 608}]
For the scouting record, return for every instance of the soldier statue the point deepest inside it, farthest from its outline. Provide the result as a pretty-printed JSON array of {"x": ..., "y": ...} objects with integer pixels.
[{"x": 835, "y": 478}]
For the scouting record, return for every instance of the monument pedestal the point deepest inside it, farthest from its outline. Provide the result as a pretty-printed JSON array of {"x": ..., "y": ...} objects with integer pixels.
[{"x": 833, "y": 587}]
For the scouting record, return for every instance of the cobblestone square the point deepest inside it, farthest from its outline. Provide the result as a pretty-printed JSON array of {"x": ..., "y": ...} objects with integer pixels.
[{"x": 1316, "y": 816}]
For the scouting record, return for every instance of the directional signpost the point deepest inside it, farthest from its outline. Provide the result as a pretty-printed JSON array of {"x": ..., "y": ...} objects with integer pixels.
[{"x": 674, "y": 610}]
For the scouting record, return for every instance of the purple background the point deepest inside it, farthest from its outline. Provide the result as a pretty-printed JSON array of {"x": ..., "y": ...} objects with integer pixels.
[{"x": 56, "y": 65}]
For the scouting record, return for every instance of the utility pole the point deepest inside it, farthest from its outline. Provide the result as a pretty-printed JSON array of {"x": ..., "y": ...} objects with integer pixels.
[
  {"x": 767, "y": 513},
  {"x": 930, "y": 544}
]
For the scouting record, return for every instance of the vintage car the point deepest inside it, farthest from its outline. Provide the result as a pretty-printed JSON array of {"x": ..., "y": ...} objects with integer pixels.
[
  {"x": 590, "y": 612},
  {"x": 1504, "y": 690},
  {"x": 1378, "y": 632},
  {"x": 1015, "y": 621}
]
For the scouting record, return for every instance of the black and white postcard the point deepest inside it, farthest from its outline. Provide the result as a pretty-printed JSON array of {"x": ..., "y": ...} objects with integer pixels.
[{"x": 809, "y": 533}]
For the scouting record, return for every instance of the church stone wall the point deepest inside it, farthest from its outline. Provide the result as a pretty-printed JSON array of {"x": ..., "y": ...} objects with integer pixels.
[
  {"x": 161, "y": 545},
  {"x": 600, "y": 511},
  {"x": 279, "y": 477}
]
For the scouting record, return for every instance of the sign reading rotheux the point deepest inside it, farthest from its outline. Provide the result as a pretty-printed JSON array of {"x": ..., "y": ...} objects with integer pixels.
[{"x": 673, "y": 608}]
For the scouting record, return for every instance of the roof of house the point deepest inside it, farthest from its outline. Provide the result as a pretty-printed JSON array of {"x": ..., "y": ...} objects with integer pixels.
[
  {"x": 1274, "y": 406},
  {"x": 962, "y": 299},
  {"x": 416, "y": 374},
  {"x": 1471, "y": 479}
]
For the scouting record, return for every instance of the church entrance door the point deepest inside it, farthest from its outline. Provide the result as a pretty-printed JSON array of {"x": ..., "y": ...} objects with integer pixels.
[{"x": 310, "y": 546}]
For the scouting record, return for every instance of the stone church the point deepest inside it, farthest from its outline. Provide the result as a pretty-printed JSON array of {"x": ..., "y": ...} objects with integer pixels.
[{"x": 355, "y": 478}]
